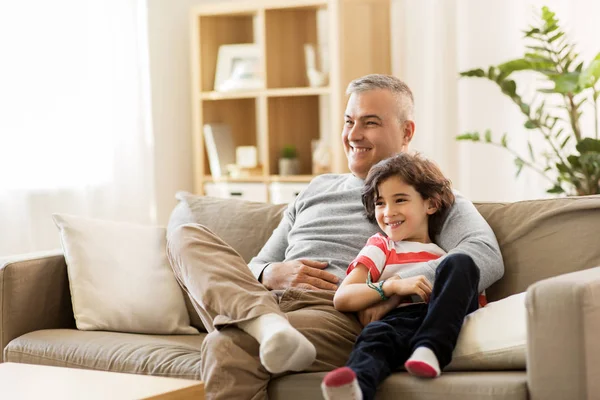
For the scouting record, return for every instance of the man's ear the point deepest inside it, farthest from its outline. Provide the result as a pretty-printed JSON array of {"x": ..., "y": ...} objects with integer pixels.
[{"x": 408, "y": 131}]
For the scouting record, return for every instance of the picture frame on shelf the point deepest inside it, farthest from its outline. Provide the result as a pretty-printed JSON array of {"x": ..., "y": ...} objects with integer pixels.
[
  {"x": 238, "y": 68},
  {"x": 219, "y": 148}
]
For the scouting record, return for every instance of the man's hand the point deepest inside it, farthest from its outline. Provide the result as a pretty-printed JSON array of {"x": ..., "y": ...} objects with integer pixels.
[
  {"x": 305, "y": 274},
  {"x": 378, "y": 310}
]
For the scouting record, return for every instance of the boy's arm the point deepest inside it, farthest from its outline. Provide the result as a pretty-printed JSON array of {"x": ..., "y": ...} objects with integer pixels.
[
  {"x": 354, "y": 294},
  {"x": 466, "y": 231}
]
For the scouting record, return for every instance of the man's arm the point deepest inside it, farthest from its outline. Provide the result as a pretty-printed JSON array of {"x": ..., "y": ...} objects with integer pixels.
[
  {"x": 274, "y": 249},
  {"x": 466, "y": 231},
  {"x": 268, "y": 266}
]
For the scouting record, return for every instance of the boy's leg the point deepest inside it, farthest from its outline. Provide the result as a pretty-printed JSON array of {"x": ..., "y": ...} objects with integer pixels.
[
  {"x": 454, "y": 296},
  {"x": 383, "y": 346}
]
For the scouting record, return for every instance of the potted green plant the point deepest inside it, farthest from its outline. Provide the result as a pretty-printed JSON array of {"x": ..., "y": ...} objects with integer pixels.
[
  {"x": 288, "y": 162},
  {"x": 570, "y": 160}
]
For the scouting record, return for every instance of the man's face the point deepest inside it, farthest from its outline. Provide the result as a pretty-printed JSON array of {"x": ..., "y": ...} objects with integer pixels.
[{"x": 373, "y": 130}]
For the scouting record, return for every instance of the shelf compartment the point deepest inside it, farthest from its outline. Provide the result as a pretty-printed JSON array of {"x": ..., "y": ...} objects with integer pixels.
[
  {"x": 222, "y": 29},
  {"x": 287, "y": 31},
  {"x": 293, "y": 121},
  {"x": 239, "y": 114}
]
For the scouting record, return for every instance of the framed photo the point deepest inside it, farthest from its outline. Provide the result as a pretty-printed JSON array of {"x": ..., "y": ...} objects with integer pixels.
[{"x": 238, "y": 68}]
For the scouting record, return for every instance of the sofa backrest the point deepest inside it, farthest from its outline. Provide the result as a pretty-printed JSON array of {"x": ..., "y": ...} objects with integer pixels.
[{"x": 538, "y": 238}]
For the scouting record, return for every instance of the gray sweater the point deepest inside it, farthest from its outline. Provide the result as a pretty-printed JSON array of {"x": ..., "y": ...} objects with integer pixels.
[{"x": 326, "y": 222}]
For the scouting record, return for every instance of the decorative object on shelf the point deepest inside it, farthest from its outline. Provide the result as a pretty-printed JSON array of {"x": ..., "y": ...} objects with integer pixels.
[
  {"x": 316, "y": 72},
  {"x": 553, "y": 56},
  {"x": 246, "y": 156},
  {"x": 288, "y": 163},
  {"x": 321, "y": 157},
  {"x": 238, "y": 68},
  {"x": 219, "y": 147}
]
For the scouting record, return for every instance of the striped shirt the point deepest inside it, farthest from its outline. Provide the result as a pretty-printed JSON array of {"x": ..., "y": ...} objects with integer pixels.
[{"x": 386, "y": 258}]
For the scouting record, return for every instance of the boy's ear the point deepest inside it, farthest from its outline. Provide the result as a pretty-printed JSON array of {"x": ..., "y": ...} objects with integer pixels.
[{"x": 432, "y": 206}]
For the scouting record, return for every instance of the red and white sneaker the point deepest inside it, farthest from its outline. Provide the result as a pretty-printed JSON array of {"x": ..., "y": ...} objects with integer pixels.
[{"x": 341, "y": 384}]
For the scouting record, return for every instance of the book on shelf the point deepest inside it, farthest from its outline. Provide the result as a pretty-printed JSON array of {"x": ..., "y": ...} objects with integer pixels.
[{"x": 219, "y": 147}]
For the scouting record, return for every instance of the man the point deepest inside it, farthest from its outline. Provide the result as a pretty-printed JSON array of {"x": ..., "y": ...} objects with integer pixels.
[{"x": 278, "y": 315}]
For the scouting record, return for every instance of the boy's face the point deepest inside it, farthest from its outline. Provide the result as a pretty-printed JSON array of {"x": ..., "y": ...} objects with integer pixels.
[
  {"x": 401, "y": 212},
  {"x": 373, "y": 130}
]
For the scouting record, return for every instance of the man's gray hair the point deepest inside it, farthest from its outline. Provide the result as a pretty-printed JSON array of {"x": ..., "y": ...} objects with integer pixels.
[{"x": 387, "y": 82}]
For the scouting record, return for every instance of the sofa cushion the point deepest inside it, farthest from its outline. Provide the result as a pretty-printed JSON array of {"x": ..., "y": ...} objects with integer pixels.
[
  {"x": 540, "y": 239},
  {"x": 176, "y": 356},
  {"x": 493, "y": 337},
  {"x": 508, "y": 385},
  {"x": 244, "y": 225},
  {"x": 120, "y": 278}
]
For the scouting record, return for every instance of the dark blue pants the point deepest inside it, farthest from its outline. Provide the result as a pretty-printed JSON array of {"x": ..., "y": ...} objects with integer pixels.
[{"x": 385, "y": 345}]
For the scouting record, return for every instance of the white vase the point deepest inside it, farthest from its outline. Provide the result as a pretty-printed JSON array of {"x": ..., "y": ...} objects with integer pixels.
[{"x": 289, "y": 166}]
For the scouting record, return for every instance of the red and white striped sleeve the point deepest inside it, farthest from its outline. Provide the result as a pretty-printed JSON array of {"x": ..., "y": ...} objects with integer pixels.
[{"x": 373, "y": 256}]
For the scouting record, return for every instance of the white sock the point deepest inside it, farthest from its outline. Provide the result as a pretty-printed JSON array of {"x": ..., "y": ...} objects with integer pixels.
[
  {"x": 341, "y": 384},
  {"x": 423, "y": 363},
  {"x": 282, "y": 347}
]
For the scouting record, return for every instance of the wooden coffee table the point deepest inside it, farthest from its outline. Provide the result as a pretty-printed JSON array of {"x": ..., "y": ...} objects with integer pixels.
[{"x": 25, "y": 381}]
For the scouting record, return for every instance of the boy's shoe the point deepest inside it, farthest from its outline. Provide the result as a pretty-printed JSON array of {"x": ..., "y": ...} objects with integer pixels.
[
  {"x": 341, "y": 384},
  {"x": 423, "y": 363}
]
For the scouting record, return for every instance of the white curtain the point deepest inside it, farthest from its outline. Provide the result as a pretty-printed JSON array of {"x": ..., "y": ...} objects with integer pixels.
[
  {"x": 434, "y": 40},
  {"x": 75, "y": 132}
]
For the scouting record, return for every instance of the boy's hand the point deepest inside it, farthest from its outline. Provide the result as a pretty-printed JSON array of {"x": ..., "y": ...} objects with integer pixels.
[
  {"x": 378, "y": 310},
  {"x": 418, "y": 285}
]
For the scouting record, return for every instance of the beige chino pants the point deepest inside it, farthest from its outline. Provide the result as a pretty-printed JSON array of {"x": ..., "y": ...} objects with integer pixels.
[{"x": 224, "y": 291}]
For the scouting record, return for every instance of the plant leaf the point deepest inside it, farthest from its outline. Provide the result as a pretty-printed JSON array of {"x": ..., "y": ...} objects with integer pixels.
[
  {"x": 588, "y": 145},
  {"x": 504, "y": 141},
  {"x": 509, "y": 87},
  {"x": 488, "y": 136},
  {"x": 477, "y": 73},
  {"x": 529, "y": 124},
  {"x": 519, "y": 163},
  {"x": 555, "y": 37},
  {"x": 567, "y": 83},
  {"x": 556, "y": 189},
  {"x": 591, "y": 74},
  {"x": 474, "y": 136},
  {"x": 530, "y": 151},
  {"x": 564, "y": 143}
]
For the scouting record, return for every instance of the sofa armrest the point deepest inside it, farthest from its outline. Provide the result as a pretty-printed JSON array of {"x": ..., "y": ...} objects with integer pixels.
[
  {"x": 563, "y": 350},
  {"x": 34, "y": 295}
]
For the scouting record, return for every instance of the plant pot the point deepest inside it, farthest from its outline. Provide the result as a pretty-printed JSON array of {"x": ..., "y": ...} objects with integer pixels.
[{"x": 289, "y": 166}]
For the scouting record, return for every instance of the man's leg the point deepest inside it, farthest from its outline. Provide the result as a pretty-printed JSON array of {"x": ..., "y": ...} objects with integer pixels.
[
  {"x": 228, "y": 296},
  {"x": 454, "y": 295},
  {"x": 221, "y": 286},
  {"x": 231, "y": 367},
  {"x": 332, "y": 332}
]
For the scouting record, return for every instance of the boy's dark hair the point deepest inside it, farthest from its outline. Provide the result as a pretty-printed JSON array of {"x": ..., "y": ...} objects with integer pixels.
[{"x": 422, "y": 174}]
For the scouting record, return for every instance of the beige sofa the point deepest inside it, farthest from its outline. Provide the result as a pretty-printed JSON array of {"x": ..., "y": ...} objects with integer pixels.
[{"x": 551, "y": 249}]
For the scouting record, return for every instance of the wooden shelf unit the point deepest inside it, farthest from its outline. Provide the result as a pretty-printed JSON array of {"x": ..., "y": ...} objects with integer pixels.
[{"x": 356, "y": 36}]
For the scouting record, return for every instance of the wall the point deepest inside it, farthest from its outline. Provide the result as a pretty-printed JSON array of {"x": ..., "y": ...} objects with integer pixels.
[
  {"x": 169, "y": 42},
  {"x": 432, "y": 42}
]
